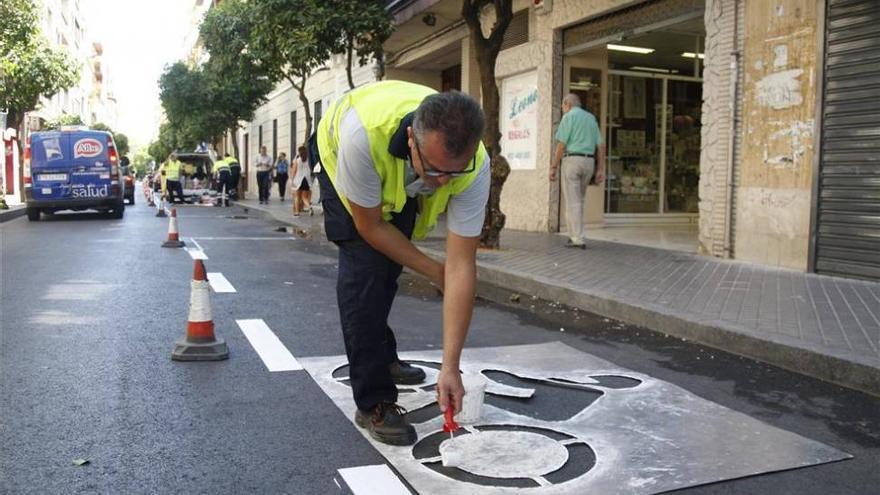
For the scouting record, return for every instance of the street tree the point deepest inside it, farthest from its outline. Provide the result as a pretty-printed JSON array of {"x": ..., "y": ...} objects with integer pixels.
[
  {"x": 475, "y": 13},
  {"x": 163, "y": 145},
  {"x": 288, "y": 38},
  {"x": 30, "y": 71},
  {"x": 119, "y": 138},
  {"x": 186, "y": 98},
  {"x": 64, "y": 119},
  {"x": 237, "y": 81},
  {"x": 356, "y": 28},
  {"x": 17, "y": 21}
]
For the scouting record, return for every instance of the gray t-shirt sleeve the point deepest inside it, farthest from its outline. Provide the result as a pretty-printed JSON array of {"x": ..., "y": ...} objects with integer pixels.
[
  {"x": 356, "y": 176},
  {"x": 467, "y": 210}
]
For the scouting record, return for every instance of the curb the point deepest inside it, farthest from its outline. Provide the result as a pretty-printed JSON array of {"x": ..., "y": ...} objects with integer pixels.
[
  {"x": 835, "y": 369},
  {"x": 12, "y": 213},
  {"x": 775, "y": 350}
]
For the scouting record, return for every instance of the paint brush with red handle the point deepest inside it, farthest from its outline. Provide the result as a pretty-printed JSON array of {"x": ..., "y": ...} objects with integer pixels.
[{"x": 449, "y": 424}]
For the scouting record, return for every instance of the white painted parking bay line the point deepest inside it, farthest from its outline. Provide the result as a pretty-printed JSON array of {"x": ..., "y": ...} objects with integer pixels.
[
  {"x": 219, "y": 283},
  {"x": 275, "y": 356},
  {"x": 373, "y": 480},
  {"x": 197, "y": 254}
]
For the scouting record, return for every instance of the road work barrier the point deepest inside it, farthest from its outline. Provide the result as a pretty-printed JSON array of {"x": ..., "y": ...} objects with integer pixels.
[{"x": 200, "y": 344}]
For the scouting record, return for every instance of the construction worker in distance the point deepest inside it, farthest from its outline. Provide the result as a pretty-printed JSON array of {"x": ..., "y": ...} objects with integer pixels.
[
  {"x": 395, "y": 155},
  {"x": 172, "y": 169},
  {"x": 222, "y": 173}
]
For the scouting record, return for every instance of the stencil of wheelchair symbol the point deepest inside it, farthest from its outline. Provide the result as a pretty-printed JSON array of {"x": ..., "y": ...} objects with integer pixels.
[
  {"x": 507, "y": 455},
  {"x": 521, "y": 456}
]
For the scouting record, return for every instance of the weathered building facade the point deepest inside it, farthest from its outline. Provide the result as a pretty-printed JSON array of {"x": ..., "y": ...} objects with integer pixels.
[{"x": 736, "y": 117}]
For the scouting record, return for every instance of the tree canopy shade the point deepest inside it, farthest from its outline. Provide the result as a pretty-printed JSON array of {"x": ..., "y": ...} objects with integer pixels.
[
  {"x": 356, "y": 28},
  {"x": 29, "y": 67},
  {"x": 238, "y": 80},
  {"x": 290, "y": 41},
  {"x": 487, "y": 49}
]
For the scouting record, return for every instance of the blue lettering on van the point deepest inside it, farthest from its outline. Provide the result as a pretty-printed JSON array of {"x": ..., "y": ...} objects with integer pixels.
[{"x": 90, "y": 191}]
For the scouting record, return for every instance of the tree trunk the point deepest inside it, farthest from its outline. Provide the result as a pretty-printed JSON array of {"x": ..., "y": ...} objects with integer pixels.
[
  {"x": 348, "y": 64},
  {"x": 301, "y": 89},
  {"x": 235, "y": 144},
  {"x": 487, "y": 53}
]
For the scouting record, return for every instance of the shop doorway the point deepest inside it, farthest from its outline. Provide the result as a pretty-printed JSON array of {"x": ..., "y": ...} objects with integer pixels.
[{"x": 646, "y": 89}]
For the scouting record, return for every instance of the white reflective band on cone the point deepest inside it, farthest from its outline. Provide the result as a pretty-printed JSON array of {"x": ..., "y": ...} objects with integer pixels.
[{"x": 200, "y": 301}]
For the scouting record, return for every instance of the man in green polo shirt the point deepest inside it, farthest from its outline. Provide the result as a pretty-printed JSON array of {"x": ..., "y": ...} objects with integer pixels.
[{"x": 579, "y": 151}]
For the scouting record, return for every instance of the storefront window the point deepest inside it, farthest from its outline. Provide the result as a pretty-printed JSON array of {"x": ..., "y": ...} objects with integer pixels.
[
  {"x": 684, "y": 99},
  {"x": 634, "y": 145}
]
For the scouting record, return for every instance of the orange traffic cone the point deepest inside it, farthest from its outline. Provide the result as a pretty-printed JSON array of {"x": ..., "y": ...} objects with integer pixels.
[
  {"x": 173, "y": 236},
  {"x": 161, "y": 207},
  {"x": 200, "y": 344}
]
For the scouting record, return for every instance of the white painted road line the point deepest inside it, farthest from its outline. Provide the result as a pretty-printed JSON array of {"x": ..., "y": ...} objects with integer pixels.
[
  {"x": 246, "y": 238},
  {"x": 373, "y": 480},
  {"x": 196, "y": 254},
  {"x": 275, "y": 356},
  {"x": 219, "y": 283}
]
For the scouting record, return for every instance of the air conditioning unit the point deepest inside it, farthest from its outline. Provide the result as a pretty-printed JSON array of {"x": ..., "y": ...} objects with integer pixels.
[{"x": 542, "y": 6}]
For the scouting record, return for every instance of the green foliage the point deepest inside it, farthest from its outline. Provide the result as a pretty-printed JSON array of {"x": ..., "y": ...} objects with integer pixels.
[
  {"x": 29, "y": 67},
  {"x": 121, "y": 141},
  {"x": 355, "y": 27},
  {"x": 64, "y": 119},
  {"x": 164, "y": 145},
  {"x": 31, "y": 70},
  {"x": 141, "y": 162},
  {"x": 18, "y": 18},
  {"x": 288, "y": 38}
]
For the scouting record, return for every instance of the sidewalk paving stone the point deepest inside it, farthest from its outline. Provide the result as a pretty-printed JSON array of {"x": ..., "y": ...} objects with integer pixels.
[{"x": 821, "y": 326}]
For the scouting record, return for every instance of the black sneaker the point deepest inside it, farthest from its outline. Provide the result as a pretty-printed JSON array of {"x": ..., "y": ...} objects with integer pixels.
[
  {"x": 404, "y": 373},
  {"x": 387, "y": 423}
]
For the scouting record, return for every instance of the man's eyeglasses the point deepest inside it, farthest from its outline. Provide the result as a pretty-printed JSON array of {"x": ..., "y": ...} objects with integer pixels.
[{"x": 433, "y": 172}]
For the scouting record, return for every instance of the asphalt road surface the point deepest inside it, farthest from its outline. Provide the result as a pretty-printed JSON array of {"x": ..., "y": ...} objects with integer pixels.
[{"x": 91, "y": 308}]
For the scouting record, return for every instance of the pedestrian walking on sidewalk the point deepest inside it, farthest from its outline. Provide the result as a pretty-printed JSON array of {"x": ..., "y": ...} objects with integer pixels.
[
  {"x": 302, "y": 182},
  {"x": 580, "y": 153},
  {"x": 264, "y": 175},
  {"x": 395, "y": 155},
  {"x": 281, "y": 168}
]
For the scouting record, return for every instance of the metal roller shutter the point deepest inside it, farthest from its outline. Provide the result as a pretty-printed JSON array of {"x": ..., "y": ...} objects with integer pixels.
[{"x": 848, "y": 209}]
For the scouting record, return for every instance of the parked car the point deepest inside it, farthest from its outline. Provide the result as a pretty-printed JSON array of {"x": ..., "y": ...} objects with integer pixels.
[
  {"x": 72, "y": 169},
  {"x": 128, "y": 180}
]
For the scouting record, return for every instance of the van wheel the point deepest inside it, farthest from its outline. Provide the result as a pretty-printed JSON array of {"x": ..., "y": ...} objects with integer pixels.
[
  {"x": 118, "y": 210},
  {"x": 33, "y": 214}
]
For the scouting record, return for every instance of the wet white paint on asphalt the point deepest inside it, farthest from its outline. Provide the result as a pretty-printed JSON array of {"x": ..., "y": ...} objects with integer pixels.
[
  {"x": 373, "y": 480},
  {"x": 269, "y": 347},
  {"x": 219, "y": 283}
]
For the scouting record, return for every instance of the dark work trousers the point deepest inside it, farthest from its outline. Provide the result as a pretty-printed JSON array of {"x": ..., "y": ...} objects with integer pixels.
[
  {"x": 282, "y": 184},
  {"x": 172, "y": 187},
  {"x": 234, "y": 177},
  {"x": 223, "y": 181},
  {"x": 365, "y": 288},
  {"x": 264, "y": 181}
]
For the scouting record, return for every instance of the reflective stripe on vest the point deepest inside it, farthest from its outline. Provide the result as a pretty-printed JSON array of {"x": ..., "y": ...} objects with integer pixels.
[
  {"x": 380, "y": 107},
  {"x": 222, "y": 165},
  {"x": 172, "y": 170}
]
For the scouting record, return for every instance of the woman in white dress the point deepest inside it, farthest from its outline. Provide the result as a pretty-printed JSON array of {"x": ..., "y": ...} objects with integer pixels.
[{"x": 302, "y": 182}]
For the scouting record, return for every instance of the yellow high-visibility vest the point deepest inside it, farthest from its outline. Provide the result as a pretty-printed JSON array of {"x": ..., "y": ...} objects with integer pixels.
[{"x": 381, "y": 106}]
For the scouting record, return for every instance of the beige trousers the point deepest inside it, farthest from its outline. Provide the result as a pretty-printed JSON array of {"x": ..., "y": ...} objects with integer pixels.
[{"x": 576, "y": 174}]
